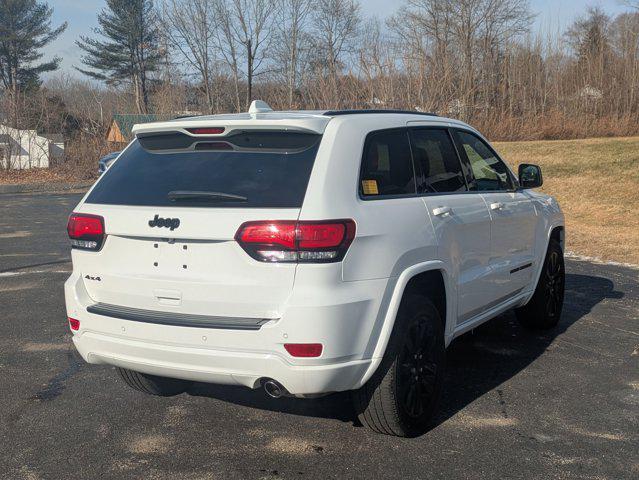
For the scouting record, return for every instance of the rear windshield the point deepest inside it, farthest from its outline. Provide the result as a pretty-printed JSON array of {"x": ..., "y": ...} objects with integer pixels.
[{"x": 243, "y": 170}]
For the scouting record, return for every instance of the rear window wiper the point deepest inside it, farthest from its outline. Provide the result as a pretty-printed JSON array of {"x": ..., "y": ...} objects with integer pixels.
[{"x": 176, "y": 195}]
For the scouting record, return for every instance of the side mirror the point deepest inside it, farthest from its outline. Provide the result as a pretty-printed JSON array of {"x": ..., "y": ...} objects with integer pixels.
[{"x": 530, "y": 176}]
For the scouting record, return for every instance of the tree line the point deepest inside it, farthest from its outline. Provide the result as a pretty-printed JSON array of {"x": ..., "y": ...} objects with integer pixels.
[{"x": 478, "y": 60}]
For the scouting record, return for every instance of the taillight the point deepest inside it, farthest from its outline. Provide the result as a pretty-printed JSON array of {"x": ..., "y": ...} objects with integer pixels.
[
  {"x": 291, "y": 241},
  {"x": 74, "y": 324},
  {"x": 304, "y": 350},
  {"x": 86, "y": 231}
]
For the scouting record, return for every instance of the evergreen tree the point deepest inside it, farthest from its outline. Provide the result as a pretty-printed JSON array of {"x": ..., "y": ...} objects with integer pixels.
[
  {"x": 589, "y": 37},
  {"x": 25, "y": 28},
  {"x": 129, "y": 48}
]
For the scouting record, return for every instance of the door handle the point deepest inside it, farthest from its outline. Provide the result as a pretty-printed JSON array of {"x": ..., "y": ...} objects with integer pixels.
[
  {"x": 442, "y": 211},
  {"x": 497, "y": 206}
]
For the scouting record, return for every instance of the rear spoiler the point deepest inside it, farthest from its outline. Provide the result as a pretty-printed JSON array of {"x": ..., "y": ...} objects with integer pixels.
[{"x": 307, "y": 124}]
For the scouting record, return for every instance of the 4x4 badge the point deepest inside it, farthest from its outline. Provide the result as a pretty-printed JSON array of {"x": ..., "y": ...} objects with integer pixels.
[{"x": 170, "y": 223}]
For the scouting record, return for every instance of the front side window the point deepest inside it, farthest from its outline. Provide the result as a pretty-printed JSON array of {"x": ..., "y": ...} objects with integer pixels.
[
  {"x": 387, "y": 167},
  {"x": 489, "y": 171},
  {"x": 436, "y": 162}
]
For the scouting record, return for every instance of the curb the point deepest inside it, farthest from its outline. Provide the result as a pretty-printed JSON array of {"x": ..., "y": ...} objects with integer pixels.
[
  {"x": 44, "y": 187},
  {"x": 599, "y": 261}
]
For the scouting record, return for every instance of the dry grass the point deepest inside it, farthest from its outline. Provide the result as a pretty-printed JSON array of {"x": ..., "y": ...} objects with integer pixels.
[
  {"x": 40, "y": 175},
  {"x": 596, "y": 182}
]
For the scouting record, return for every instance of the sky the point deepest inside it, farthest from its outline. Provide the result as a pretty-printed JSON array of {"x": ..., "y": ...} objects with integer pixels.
[{"x": 552, "y": 16}]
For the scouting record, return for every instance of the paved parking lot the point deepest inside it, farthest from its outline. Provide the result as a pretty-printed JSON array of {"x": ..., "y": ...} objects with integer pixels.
[{"x": 561, "y": 404}]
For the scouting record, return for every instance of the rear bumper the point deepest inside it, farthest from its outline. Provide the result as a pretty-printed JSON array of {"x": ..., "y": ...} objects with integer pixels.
[
  {"x": 218, "y": 366},
  {"x": 344, "y": 318}
]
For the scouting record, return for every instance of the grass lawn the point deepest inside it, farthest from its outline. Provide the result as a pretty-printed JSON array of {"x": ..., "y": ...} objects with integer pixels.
[{"x": 596, "y": 181}]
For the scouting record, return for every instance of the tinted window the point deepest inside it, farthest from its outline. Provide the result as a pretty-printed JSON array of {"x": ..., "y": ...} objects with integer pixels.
[
  {"x": 387, "y": 167},
  {"x": 489, "y": 171},
  {"x": 436, "y": 162},
  {"x": 268, "y": 169}
]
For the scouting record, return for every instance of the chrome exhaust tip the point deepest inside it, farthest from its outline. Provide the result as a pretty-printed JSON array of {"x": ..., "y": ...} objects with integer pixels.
[{"x": 273, "y": 389}]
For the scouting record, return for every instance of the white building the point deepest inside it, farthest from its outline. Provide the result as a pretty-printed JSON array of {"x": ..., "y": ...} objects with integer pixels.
[{"x": 22, "y": 149}]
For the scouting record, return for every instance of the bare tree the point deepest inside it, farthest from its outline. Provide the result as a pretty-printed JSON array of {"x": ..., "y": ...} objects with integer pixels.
[
  {"x": 229, "y": 47},
  {"x": 291, "y": 41},
  {"x": 624, "y": 40},
  {"x": 335, "y": 28},
  {"x": 481, "y": 28},
  {"x": 424, "y": 40},
  {"x": 589, "y": 37},
  {"x": 377, "y": 66},
  {"x": 455, "y": 46},
  {"x": 246, "y": 27},
  {"x": 191, "y": 26}
]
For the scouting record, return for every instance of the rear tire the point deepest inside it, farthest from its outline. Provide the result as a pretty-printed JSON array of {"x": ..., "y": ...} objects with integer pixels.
[
  {"x": 403, "y": 394},
  {"x": 544, "y": 308},
  {"x": 153, "y": 385}
]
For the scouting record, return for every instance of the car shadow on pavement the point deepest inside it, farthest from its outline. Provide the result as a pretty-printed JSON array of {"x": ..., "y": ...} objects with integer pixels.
[
  {"x": 483, "y": 359},
  {"x": 477, "y": 362}
]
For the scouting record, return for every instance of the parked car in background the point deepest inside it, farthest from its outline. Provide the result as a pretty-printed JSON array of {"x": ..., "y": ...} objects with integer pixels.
[
  {"x": 107, "y": 160},
  {"x": 307, "y": 253}
]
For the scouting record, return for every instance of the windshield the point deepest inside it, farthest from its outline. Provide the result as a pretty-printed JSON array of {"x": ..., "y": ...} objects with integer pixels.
[{"x": 262, "y": 169}]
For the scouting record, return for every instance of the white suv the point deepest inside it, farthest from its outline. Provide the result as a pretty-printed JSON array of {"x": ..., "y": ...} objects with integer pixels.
[{"x": 308, "y": 252}]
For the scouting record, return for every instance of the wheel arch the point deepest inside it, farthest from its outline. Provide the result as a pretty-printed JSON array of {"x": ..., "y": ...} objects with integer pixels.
[
  {"x": 430, "y": 283},
  {"x": 554, "y": 232},
  {"x": 558, "y": 233},
  {"x": 432, "y": 277}
]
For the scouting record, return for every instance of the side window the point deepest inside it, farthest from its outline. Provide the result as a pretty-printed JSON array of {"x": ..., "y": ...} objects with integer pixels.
[
  {"x": 387, "y": 167},
  {"x": 489, "y": 171},
  {"x": 436, "y": 162}
]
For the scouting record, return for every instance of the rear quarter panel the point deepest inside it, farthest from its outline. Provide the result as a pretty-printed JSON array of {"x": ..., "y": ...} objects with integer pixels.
[{"x": 392, "y": 234}]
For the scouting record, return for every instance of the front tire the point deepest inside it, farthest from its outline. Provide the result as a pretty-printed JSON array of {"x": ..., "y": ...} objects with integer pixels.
[
  {"x": 544, "y": 308},
  {"x": 152, "y": 384},
  {"x": 403, "y": 394}
]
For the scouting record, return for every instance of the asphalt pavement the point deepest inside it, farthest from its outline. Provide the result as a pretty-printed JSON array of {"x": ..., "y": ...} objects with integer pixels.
[{"x": 517, "y": 404}]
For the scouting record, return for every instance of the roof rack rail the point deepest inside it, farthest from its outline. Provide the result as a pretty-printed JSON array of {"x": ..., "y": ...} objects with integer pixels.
[{"x": 333, "y": 113}]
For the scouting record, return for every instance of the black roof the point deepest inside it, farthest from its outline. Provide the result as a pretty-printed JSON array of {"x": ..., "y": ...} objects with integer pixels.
[{"x": 333, "y": 113}]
